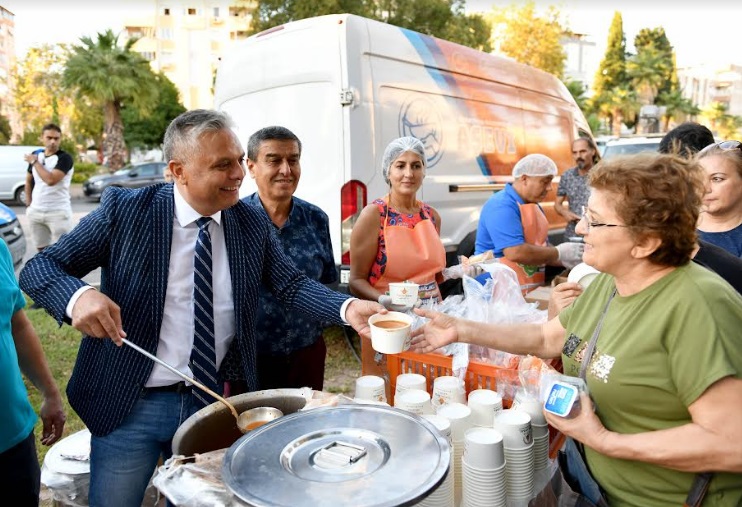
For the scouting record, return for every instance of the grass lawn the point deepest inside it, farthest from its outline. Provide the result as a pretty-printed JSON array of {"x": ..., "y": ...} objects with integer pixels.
[{"x": 60, "y": 346}]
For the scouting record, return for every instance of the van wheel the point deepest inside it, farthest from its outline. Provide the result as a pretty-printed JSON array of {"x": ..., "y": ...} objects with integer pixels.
[{"x": 20, "y": 196}]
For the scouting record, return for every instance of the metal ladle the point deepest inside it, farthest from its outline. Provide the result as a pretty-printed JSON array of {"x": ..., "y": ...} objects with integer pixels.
[{"x": 243, "y": 420}]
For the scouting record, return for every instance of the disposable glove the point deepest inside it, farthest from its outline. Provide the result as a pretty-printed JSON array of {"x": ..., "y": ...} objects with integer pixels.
[
  {"x": 459, "y": 270},
  {"x": 570, "y": 254},
  {"x": 386, "y": 301}
]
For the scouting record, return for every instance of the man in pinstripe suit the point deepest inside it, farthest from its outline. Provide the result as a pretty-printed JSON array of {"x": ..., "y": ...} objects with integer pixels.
[{"x": 144, "y": 242}]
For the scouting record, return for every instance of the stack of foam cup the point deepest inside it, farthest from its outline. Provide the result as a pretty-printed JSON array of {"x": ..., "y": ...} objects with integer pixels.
[
  {"x": 407, "y": 381},
  {"x": 484, "y": 405},
  {"x": 540, "y": 428},
  {"x": 483, "y": 469},
  {"x": 415, "y": 401},
  {"x": 448, "y": 389},
  {"x": 370, "y": 388},
  {"x": 459, "y": 415},
  {"x": 443, "y": 496},
  {"x": 515, "y": 426}
]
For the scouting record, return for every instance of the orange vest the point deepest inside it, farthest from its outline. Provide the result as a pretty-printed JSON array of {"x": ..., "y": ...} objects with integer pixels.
[
  {"x": 415, "y": 254},
  {"x": 535, "y": 232}
]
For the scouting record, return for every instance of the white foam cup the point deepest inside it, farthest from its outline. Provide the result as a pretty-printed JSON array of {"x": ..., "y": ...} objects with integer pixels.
[
  {"x": 403, "y": 293},
  {"x": 440, "y": 422},
  {"x": 460, "y": 417},
  {"x": 390, "y": 340},
  {"x": 407, "y": 381},
  {"x": 515, "y": 426},
  {"x": 483, "y": 448},
  {"x": 416, "y": 401},
  {"x": 448, "y": 389},
  {"x": 583, "y": 274},
  {"x": 531, "y": 405},
  {"x": 371, "y": 387},
  {"x": 484, "y": 404}
]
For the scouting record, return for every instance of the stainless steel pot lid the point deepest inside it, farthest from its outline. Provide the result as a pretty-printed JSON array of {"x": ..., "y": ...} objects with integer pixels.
[{"x": 364, "y": 455}]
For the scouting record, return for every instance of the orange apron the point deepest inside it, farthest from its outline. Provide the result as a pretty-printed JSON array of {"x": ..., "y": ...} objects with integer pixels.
[
  {"x": 416, "y": 255},
  {"x": 535, "y": 232}
]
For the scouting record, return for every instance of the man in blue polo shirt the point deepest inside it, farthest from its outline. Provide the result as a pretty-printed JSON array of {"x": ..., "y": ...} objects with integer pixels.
[{"x": 514, "y": 226}]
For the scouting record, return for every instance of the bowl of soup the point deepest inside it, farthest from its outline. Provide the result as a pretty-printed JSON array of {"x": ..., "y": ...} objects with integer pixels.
[{"x": 390, "y": 332}]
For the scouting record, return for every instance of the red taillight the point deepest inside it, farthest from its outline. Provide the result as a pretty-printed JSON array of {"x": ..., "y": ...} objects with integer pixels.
[{"x": 352, "y": 202}]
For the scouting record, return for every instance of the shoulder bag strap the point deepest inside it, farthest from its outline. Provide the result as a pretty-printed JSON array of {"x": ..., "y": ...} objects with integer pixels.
[{"x": 594, "y": 339}]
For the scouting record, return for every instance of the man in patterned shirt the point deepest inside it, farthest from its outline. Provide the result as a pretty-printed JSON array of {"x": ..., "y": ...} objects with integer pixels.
[
  {"x": 573, "y": 184},
  {"x": 291, "y": 349}
]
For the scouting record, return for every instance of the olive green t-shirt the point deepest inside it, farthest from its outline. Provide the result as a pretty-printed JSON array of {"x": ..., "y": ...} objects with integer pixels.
[{"x": 657, "y": 352}]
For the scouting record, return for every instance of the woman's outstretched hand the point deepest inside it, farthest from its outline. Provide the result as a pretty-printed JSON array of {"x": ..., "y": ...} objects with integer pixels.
[{"x": 440, "y": 330}]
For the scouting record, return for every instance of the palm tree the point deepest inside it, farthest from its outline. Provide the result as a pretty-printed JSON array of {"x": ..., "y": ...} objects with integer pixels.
[
  {"x": 646, "y": 70},
  {"x": 677, "y": 107},
  {"x": 616, "y": 105},
  {"x": 110, "y": 75}
]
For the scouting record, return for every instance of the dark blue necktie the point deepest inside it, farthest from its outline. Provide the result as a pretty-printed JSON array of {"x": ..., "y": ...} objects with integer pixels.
[{"x": 203, "y": 354}]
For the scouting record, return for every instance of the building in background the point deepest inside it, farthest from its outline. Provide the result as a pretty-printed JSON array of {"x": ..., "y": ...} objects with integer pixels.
[
  {"x": 707, "y": 84},
  {"x": 184, "y": 39},
  {"x": 7, "y": 63},
  {"x": 583, "y": 59}
]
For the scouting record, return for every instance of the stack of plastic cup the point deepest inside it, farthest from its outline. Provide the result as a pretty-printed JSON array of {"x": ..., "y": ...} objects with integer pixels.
[
  {"x": 483, "y": 469},
  {"x": 515, "y": 426},
  {"x": 407, "y": 381},
  {"x": 415, "y": 401},
  {"x": 370, "y": 388},
  {"x": 448, "y": 389},
  {"x": 443, "y": 496},
  {"x": 540, "y": 428},
  {"x": 484, "y": 404},
  {"x": 459, "y": 416}
]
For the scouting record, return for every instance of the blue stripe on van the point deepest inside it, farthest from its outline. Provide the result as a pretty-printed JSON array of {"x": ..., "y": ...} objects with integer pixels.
[{"x": 432, "y": 57}]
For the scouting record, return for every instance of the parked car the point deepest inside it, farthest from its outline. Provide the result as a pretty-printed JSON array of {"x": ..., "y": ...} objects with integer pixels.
[
  {"x": 12, "y": 233},
  {"x": 13, "y": 169},
  {"x": 133, "y": 176},
  {"x": 630, "y": 146}
]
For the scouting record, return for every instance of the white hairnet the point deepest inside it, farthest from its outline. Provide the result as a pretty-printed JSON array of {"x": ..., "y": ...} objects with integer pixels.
[
  {"x": 396, "y": 148},
  {"x": 535, "y": 164}
]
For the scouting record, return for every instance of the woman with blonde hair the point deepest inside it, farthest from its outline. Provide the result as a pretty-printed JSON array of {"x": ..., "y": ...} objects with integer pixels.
[{"x": 720, "y": 222}]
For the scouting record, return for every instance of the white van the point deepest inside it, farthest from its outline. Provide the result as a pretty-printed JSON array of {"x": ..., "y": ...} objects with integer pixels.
[
  {"x": 13, "y": 169},
  {"x": 346, "y": 86}
]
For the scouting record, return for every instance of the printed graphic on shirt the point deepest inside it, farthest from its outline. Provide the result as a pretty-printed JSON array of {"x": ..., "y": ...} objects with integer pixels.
[
  {"x": 571, "y": 345},
  {"x": 601, "y": 366}
]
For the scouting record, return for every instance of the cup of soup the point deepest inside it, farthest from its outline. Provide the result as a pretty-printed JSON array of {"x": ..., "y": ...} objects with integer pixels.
[
  {"x": 403, "y": 293},
  {"x": 390, "y": 332}
]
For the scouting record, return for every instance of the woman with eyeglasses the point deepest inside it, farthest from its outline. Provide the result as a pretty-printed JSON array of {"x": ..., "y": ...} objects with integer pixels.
[
  {"x": 665, "y": 369},
  {"x": 720, "y": 222}
]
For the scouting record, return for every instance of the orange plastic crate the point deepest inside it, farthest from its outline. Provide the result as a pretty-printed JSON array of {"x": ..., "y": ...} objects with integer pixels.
[{"x": 479, "y": 375}]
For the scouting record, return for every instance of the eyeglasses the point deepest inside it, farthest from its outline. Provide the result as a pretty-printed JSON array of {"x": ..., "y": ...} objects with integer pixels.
[
  {"x": 591, "y": 224},
  {"x": 724, "y": 146}
]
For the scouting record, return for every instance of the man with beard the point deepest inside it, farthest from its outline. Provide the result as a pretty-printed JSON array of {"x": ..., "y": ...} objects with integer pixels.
[{"x": 573, "y": 184}]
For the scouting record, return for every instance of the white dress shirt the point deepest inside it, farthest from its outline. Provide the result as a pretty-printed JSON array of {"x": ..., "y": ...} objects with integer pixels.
[{"x": 176, "y": 332}]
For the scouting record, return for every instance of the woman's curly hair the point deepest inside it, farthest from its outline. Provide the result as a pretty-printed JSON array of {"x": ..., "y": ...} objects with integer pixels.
[{"x": 657, "y": 195}]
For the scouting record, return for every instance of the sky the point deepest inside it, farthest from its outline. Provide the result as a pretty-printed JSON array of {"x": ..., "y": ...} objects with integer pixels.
[{"x": 708, "y": 33}]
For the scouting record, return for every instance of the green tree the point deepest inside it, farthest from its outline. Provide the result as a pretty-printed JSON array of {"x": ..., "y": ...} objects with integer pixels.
[
  {"x": 677, "y": 107},
  {"x": 445, "y": 19},
  {"x": 111, "y": 75},
  {"x": 577, "y": 90},
  {"x": 722, "y": 123},
  {"x": 613, "y": 99},
  {"x": 5, "y": 131},
  {"x": 655, "y": 40},
  {"x": 147, "y": 131},
  {"x": 38, "y": 95},
  {"x": 530, "y": 37},
  {"x": 647, "y": 70}
]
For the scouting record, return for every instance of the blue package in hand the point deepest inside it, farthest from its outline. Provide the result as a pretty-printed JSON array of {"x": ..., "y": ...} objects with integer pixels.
[{"x": 561, "y": 399}]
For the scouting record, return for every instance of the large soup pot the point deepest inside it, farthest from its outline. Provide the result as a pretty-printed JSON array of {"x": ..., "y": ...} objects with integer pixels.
[
  {"x": 360, "y": 455},
  {"x": 214, "y": 427}
]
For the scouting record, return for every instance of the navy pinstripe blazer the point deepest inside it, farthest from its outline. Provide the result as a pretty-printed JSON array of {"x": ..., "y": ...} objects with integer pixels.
[{"x": 129, "y": 237}]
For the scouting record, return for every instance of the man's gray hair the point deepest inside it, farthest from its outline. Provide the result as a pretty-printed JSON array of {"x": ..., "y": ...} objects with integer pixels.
[{"x": 183, "y": 132}]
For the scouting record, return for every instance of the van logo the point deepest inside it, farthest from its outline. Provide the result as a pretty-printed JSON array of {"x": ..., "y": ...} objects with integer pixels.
[{"x": 419, "y": 117}]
